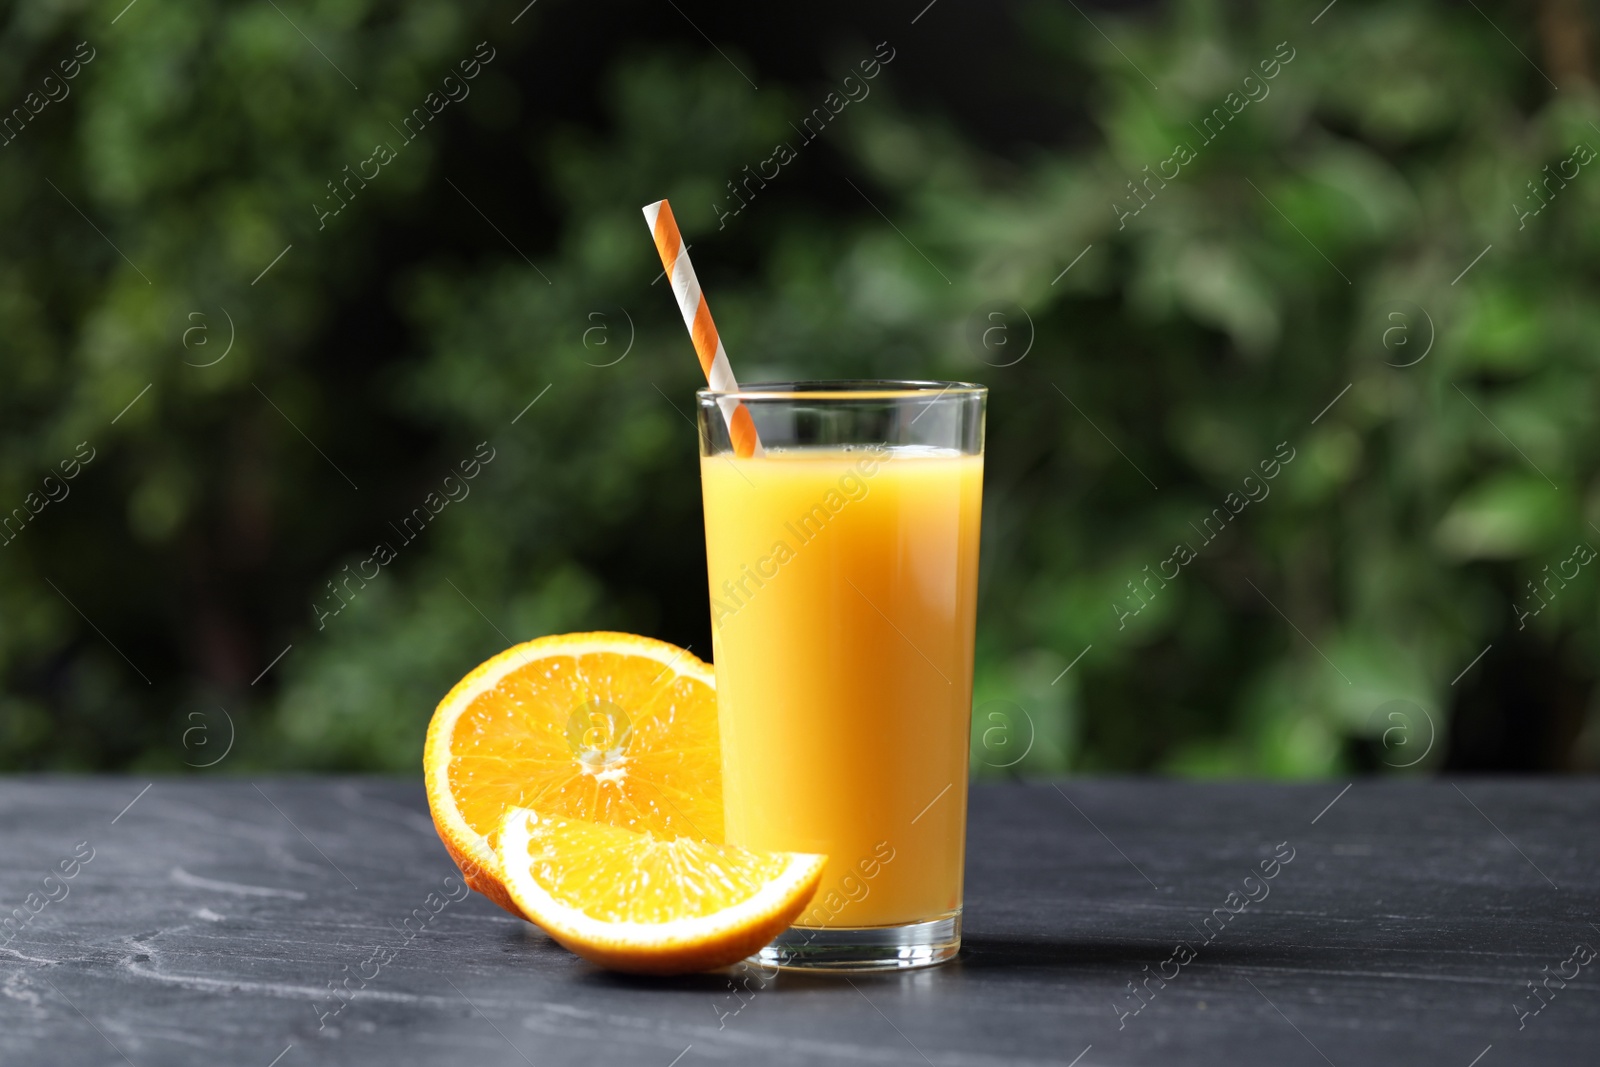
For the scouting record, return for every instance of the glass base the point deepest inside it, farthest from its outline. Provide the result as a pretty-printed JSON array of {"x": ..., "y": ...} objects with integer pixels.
[{"x": 871, "y": 948}]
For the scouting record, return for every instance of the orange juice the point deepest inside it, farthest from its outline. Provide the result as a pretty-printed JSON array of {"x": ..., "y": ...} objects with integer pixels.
[{"x": 843, "y": 591}]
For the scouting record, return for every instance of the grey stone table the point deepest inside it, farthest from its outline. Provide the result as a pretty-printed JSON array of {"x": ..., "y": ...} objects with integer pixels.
[{"x": 1108, "y": 922}]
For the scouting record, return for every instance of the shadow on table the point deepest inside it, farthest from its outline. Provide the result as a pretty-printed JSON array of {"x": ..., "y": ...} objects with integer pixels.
[
  {"x": 982, "y": 952},
  {"x": 709, "y": 982},
  {"x": 978, "y": 953}
]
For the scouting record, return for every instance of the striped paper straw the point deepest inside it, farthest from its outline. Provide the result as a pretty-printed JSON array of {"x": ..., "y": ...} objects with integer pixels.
[{"x": 697, "y": 317}]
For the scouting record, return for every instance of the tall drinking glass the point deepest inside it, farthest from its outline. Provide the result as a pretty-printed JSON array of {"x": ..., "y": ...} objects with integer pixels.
[{"x": 843, "y": 566}]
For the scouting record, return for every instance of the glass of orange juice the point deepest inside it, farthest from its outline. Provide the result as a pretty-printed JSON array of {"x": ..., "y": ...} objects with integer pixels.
[{"x": 843, "y": 566}]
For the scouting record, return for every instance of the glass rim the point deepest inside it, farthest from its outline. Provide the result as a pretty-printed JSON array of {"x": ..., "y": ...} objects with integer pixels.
[{"x": 846, "y": 389}]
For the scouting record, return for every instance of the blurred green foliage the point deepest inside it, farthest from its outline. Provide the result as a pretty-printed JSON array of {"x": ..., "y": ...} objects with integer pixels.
[{"x": 1303, "y": 279}]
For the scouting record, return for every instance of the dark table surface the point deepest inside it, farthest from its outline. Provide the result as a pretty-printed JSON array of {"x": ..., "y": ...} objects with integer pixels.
[{"x": 211, "y": 916}]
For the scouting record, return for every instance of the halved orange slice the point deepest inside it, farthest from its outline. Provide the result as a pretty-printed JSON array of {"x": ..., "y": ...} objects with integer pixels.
[
  {"x": 612, "y": 728},
  {"x": 648, "y": 904}
]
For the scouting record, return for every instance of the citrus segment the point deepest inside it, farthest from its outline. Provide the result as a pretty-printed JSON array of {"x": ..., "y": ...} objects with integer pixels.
[
  {"x": 646, "y": 903},
  {"x": 613, "y": 728}
]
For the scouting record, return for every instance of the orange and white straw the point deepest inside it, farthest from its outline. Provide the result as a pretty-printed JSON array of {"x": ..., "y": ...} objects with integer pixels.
[{"x": 697, "y": 317}]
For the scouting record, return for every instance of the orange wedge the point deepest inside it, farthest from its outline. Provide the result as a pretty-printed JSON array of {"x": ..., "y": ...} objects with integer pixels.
[
  {"x": 647, "y": 904},
  {"x": 611, "y": 728}
]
